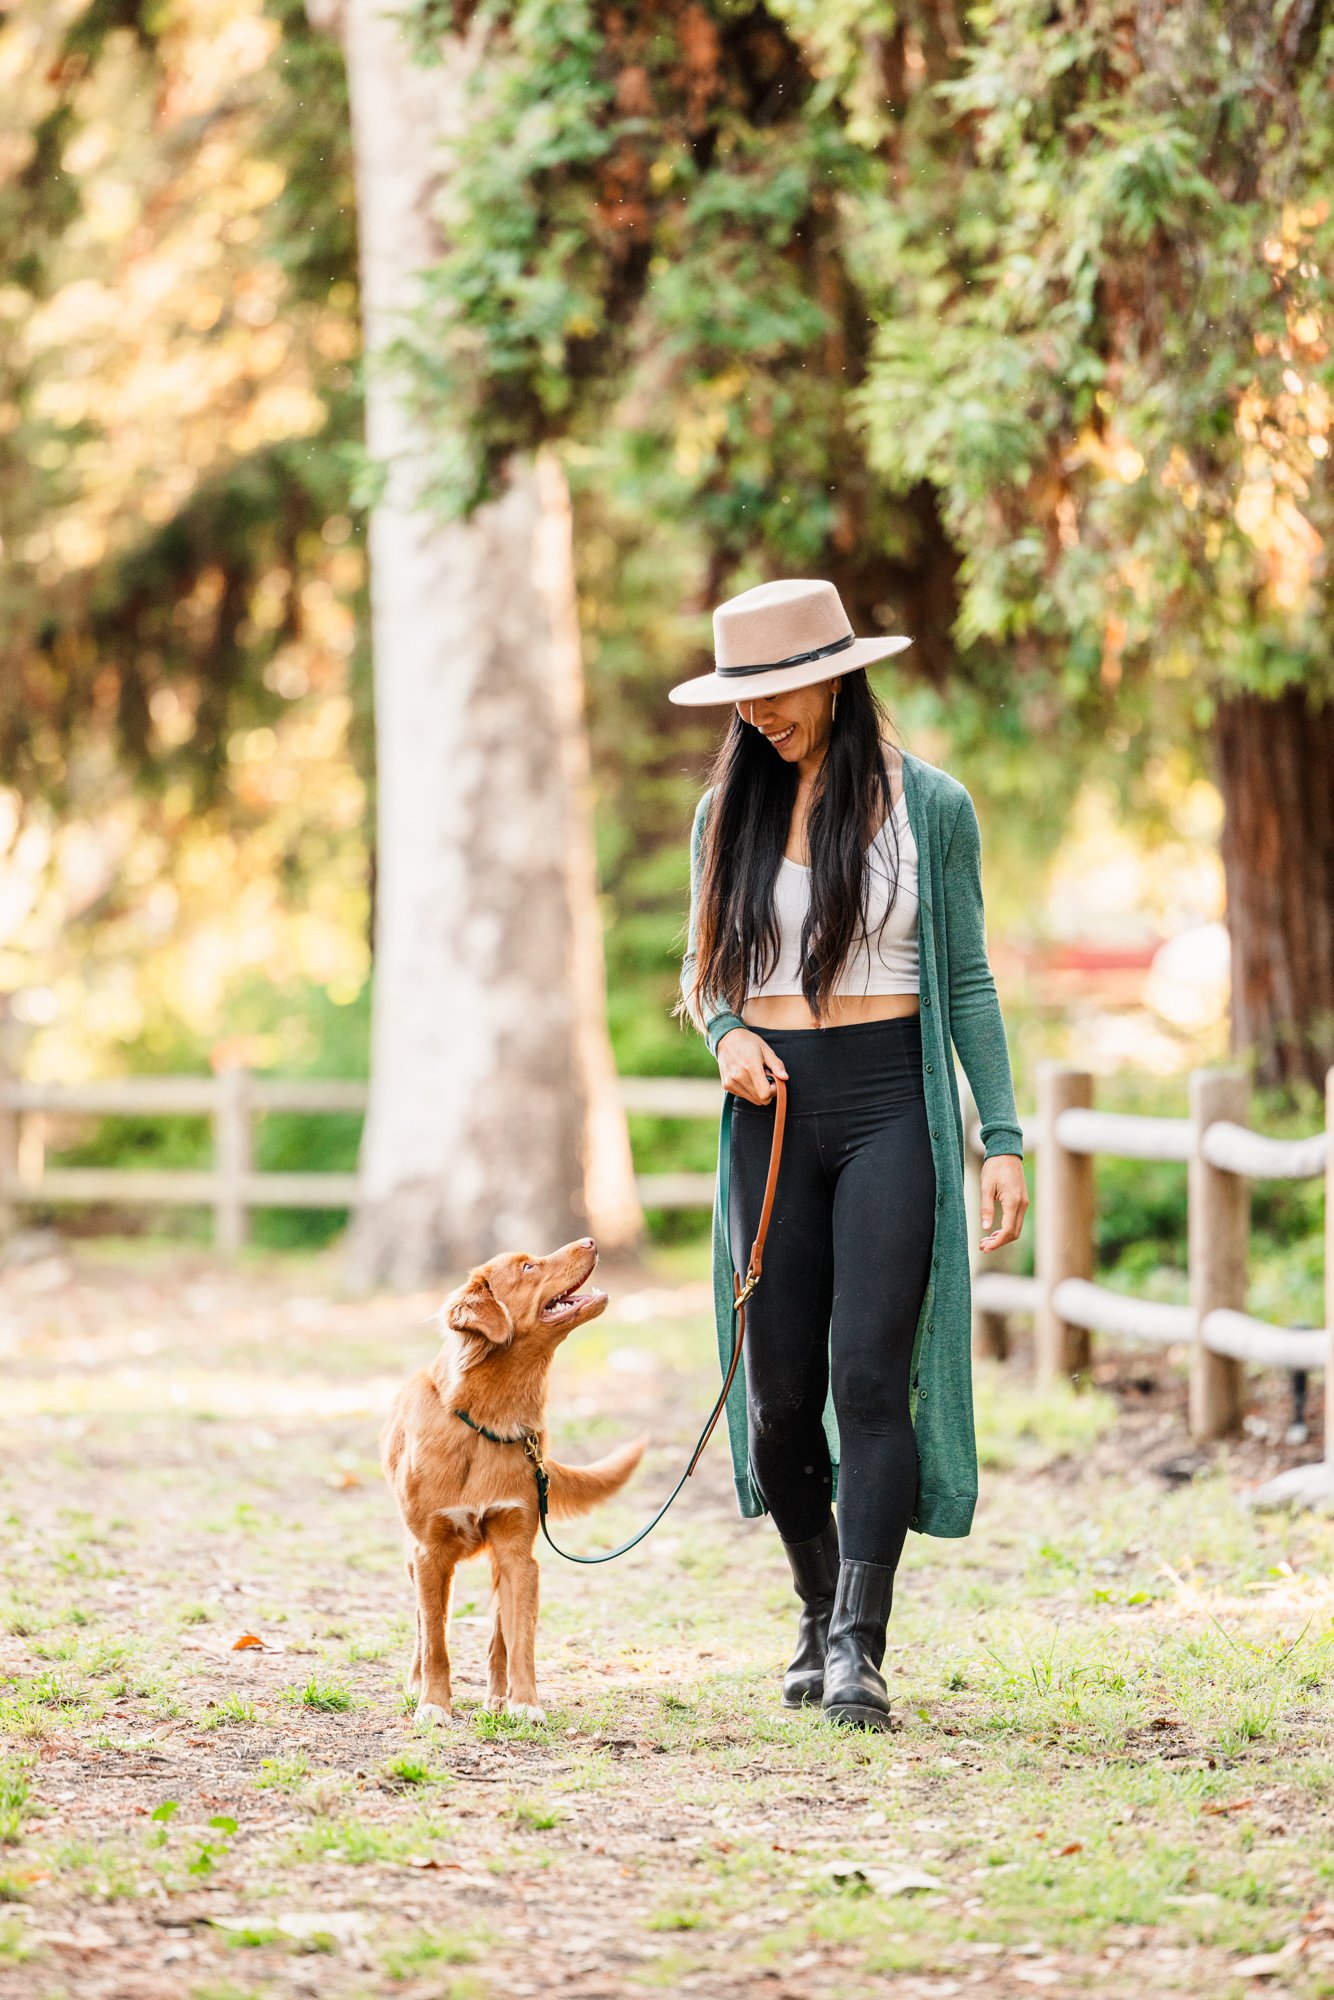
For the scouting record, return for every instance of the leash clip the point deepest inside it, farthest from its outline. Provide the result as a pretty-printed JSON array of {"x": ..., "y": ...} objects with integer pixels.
[
  {"x": 752, "y": 1279},
  {"x": 533, "y": 1450}
]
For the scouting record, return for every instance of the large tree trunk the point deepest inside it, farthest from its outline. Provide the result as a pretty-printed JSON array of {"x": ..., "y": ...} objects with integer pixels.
[
  {"x": 493, "y": 1121},
  {"x": 1275, "y": 763}
]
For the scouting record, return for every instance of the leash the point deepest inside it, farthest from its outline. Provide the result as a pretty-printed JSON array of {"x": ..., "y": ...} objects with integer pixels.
[{"x": 741, "y": 1293}]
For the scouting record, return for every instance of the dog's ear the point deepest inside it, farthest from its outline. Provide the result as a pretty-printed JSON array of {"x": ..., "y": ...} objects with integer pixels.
[{"x": 474, "y": 1308}]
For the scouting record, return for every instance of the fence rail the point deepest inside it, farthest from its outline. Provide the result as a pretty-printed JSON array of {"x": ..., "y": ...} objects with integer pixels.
[
  {"x": 1222, "y": 1156},
  {"x": 232, "y": 1099},
  {"x": 1068, "y": 1305}
]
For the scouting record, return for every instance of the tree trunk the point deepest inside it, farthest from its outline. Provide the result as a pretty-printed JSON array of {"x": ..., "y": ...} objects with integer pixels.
[
  {"x": 1275, "y": 763},
  {"x": 494, "y": 1121}
]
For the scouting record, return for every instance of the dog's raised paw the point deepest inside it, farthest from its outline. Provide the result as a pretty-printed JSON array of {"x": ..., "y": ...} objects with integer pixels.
[
  {"x": 527, "y": 1711},
  {"x": 429, "y": 1713}
]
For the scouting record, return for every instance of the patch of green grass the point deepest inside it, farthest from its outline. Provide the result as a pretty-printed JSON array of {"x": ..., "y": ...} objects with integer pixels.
[
  {"x": 283, "y": 1774},
  {"x": 328, "y": 1697},
  {"x": 409, "y": 1769},
  {"x": 13, "y": 1800},
  {"x": 107, "y": 1870},
  {"x": 410, "y": 1957},
  {"x": 534, "y": 1815},
  {"x": 14, "y": 1947},
  {"x": 251, "y": 1937},
  {"x": 1027, "y": 1425},
  {"x": 367, "y": 1650},
  {"x": 224, "y": 1989},
  {"x": 679, "y": 1917},
  {"x": 231, "y": 1710},
  {"x": 493, "y": 1727},
  {"x": 362, "y": 1842}
]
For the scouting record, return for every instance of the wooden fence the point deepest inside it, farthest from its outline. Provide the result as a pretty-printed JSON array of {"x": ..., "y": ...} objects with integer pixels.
[
  {"x": 1221, "y": 1154},
  {"x": 232, "y": 1099}
]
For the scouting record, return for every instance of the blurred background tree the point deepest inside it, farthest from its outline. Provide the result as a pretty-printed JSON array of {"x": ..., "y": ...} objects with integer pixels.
[{"x": 1011, "y": 323}]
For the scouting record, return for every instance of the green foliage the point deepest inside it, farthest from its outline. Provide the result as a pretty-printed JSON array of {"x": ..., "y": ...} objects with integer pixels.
[
  {"x": 1101, "y": 339},
  {"x": 675, "y": 222},
  {"x": 184, "y": 596}
]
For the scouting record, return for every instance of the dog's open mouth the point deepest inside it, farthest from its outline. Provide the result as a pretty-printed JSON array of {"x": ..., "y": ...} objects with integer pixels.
[{"x": 567, "y": 1303}]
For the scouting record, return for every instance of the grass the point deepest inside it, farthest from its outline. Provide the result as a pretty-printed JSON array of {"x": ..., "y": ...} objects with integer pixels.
[
  {"x": 225, "y": 1714},
  {"x": 13, "y": 1801},
  {"x": 329, "y": 1697},
  {"x": 1113, "y": 1749}
]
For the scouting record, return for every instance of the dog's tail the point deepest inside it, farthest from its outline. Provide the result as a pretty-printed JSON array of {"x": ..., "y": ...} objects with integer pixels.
[{"x": 577, "y": 1489}]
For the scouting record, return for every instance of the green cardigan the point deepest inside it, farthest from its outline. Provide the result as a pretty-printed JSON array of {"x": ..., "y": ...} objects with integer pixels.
[{"x": 959, "y": 1007}]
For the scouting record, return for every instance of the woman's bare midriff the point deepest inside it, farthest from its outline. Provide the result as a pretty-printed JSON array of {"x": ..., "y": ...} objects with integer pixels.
[{"x": 789, "y": 1010}]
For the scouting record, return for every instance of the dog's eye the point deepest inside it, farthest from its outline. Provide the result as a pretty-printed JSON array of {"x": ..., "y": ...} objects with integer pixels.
[{"x": 529, "y": 1267}]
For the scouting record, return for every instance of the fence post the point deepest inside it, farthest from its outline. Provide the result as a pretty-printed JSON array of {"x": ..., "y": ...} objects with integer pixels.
[
  {"x": 1329, "y": 1266},
  {"x": 991, "y": 1330},
  {"x": 1219, "y": 1229},
  {"x": 231, "y": 1155},
  {"x": 1065, "y": 1205},
  {"x": 9, "y": 1145}
]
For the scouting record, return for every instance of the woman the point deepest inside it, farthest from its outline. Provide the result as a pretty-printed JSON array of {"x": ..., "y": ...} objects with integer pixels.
[{"x": 837, "y": 941}]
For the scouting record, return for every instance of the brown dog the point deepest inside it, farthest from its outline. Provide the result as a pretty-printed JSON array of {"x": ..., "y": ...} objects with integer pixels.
[{"x": 462, "y": 1495}]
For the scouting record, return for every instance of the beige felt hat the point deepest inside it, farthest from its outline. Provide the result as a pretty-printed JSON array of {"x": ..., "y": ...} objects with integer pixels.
[{"x": 780, "y": 636}]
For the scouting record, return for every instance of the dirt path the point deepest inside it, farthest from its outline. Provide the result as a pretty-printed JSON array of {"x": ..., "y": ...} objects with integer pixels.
[{"x": 1111, "y": 1774}]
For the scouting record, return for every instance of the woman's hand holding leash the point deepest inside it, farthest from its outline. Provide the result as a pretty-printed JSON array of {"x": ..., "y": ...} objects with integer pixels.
[
  {"x": 746, "y": 1063},
  {"x": 1003, "y": 1182}
]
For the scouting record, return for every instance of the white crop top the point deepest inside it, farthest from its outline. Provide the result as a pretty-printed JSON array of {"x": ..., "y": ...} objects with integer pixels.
[{"x": 885, "y": 960}]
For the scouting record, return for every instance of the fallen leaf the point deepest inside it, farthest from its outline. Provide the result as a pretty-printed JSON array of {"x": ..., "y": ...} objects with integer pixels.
[
  {"x": 884, "y": 1881},
  {"x": 342, "y": 1481},
  {"x": 88, "y": 1937},
  {"x": 345, "y": 1925},
  {"x": 1237, "y": 1805},
  {"x": 246, "y": 1640},
  {"x": 1266, "y": 1964},
  {"x": 1073, "y": 1847}
]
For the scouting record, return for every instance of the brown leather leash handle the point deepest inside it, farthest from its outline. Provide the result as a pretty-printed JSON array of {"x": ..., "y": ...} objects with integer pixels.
[{"x": 755, "y": 1264}]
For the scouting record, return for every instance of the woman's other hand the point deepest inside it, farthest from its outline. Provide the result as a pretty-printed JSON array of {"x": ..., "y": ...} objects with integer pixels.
[
  {"x": 743, "y": 1058},
  {"x": 1003, "y": 1182}
]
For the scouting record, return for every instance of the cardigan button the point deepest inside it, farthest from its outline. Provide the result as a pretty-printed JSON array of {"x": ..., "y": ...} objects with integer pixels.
[{"x": 926, "y": 1000}]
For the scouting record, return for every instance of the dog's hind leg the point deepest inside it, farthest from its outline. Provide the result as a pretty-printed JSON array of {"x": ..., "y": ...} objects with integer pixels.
[
  {"x": 497, "y": 1671},
  {"x": 415, "y": 1670},
  {"x": 433, "y": 1573},
  {"x": 516, "y": 1598}
]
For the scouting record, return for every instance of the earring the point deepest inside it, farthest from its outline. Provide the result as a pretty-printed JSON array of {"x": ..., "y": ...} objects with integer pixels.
[{"x": 834, "y": 709}]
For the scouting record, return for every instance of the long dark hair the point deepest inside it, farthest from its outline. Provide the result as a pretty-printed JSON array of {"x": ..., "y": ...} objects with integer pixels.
[{"x": 754, "y": 791}]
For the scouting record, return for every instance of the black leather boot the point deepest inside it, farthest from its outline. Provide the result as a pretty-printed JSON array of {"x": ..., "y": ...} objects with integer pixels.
[
  {"x": 854, "y": 1691},
  {"x": 815, "y": 1574}
]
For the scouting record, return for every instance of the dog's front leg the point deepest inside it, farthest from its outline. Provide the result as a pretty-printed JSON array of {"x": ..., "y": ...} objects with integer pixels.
[
  {"x": 433, "y": 1574},
  {"x": 516, "y": 1603}
]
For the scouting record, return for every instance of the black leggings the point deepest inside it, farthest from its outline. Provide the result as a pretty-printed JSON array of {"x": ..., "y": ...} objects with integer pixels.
[{"x": 845, "y": 1269}]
